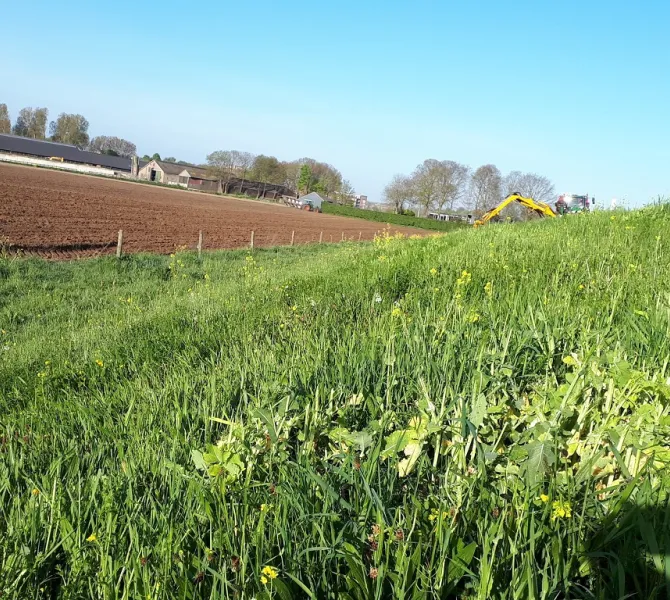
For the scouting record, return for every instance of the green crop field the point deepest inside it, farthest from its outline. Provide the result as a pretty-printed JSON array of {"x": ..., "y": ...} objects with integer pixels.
[
  {"x": 483, "y": 414},
  {"x": 392, "y": 218}
]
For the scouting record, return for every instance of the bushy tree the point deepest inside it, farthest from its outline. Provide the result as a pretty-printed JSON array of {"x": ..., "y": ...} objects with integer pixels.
[
  {"x": 485, "y": 188},
  {"x": 70, "y": 129},
  {"x": 32, "y": 123},
  {"x": 267, "y": 169}
]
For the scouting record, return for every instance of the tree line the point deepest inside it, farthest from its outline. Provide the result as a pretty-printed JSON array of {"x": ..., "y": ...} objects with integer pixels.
[
  {"x": 67, "y": 129},
  {"x": 438, "y": 186},
  {"x": 304, "y": 175}
]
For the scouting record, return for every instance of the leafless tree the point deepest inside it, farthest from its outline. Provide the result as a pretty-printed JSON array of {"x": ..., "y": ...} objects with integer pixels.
[
  {"x": 104, "y": 144},
  {"x": 5, "y": 123},
  {"x": 485, "y": 188},
  {"x": 399, "y": 194},
  {"x": 452, "y": 180}
]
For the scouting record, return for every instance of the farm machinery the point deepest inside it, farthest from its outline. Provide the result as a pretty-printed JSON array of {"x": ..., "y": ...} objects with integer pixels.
[
  {"x": 539, "y": 208},
  {"x": 573, "y": 203}
]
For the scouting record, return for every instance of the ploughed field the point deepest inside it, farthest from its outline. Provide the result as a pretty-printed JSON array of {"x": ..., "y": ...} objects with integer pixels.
[{"x": 62, "y": 215}]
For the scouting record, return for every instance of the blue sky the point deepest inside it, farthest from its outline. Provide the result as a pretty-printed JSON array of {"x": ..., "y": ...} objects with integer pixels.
[{"x": 576, "y": 91}]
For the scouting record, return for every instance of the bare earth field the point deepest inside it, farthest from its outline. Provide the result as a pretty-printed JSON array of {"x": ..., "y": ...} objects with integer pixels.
[{"x": 61, "y": 215}]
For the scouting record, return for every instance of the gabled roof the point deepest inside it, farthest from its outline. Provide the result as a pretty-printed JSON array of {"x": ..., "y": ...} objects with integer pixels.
[
  {"x": 43, "y": 149},
  {"x": 176, "y": 169}
]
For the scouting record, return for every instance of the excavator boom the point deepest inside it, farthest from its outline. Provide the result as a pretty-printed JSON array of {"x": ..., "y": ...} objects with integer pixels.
[{"x": 540, "y": 208}]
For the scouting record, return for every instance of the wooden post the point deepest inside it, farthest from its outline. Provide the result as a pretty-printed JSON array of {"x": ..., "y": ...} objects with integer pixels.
[
  {"x": 360, "y": 233},
  {"x": 292, "y": 237},
  {"x": 342, "y": 237},
  {"x": 321, "y": 237},
  {"x": 200, "y": 244},
  {"x": 119, "y": 244},
  {"x": 252, "y": 239}
]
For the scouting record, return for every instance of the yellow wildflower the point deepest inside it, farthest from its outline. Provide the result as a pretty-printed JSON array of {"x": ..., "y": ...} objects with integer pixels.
[
  {"x": 488, "y": 288},
  {"x": 581, "y": 286},
  {"x": 433, "y": 271},
  {"x": 396, "y": 312},
  {"x": 92, "y": 538},
  {"x": 47, "y": 362},
  {"x": 36, "y": 492},
  {"x": 473, "y": 317},
  {"x": 561, "y": 510},
  {"x": 266, "y": 508},
  {"x": 99, "y": 363},
  {"x": 544, "y": 497},
  {"x": 264, "y": 580},
  {"x": 271, "y": 572}
]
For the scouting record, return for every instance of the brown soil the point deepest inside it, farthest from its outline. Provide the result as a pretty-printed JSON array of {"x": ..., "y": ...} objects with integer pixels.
[{"x": 62, "y": 215}]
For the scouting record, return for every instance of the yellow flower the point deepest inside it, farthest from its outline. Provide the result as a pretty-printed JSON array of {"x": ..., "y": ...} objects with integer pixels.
[
  {"x": 271, "y": 572},
  {"x": 433, "y": 271},
  {"x": 47, "y": 362},
  {"x": 266, "y": 507},
  {"x": 36, "y": 492},
  {"x": 561, "y": 510},
  {"x": 581, "y": 286},
  {"x": 473, "y": 317},
  {"x": 264, "y": 580},
  {"x": 396, "y": 312},
  {"x": 544, "y": 497},
  {"x": 92, "y": 538},
  {"x": 99, "y": 363},
  {"x": 488, "y": 289}
]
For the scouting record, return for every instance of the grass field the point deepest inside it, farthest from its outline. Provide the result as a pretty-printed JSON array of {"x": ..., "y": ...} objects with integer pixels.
[
  {"x": 392, "y": 218},
  {"x": 484, "y": 414}
]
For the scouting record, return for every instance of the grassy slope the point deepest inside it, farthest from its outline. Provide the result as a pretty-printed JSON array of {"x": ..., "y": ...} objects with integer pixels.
[
  {"x": 384, "y": 217},
  {"x": 110, "y": 372}
]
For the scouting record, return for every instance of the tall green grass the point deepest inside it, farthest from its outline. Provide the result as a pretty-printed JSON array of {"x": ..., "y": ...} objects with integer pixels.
[
  {"x": 483, "y": 414},
  {"x": 391, "y": 218}
]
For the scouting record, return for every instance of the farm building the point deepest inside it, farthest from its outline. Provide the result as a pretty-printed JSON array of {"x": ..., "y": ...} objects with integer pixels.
[
  {"x": 195, "y": 178},
  {"x": 14, "y": 148}
]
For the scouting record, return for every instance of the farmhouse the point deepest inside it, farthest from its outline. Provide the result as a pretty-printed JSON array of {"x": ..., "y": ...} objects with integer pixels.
[
  {"x": 14, "y": 148},
  {"x": 195, "y": 178}
]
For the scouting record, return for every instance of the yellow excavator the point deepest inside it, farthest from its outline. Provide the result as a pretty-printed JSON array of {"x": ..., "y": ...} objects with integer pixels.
[{"x": 540, "y": 208}]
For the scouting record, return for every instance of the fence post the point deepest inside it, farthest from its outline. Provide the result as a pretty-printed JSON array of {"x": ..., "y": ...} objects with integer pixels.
[
  {"x": 200, "y": 244},
  {"x": 292, "y": 237},
  {"x": 321, "y": 237},
  {"x": 252, "y": 239},
  {"x": 119, "y": 244}
]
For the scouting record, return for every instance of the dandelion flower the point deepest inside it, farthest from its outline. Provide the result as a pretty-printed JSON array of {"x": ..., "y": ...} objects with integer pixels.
[
  {"x": 271, "y": 572},
  {"x": 92, "y": 538}
]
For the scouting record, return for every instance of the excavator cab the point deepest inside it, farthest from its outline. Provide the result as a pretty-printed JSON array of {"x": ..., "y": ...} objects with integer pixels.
[{"x": 540, "y": 208}]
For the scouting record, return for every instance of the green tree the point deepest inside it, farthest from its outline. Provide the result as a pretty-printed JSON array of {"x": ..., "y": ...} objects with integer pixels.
[
  {"x": 32, "y": 123},
  {"x": 170, "y": 159},
  {"x": 70, "y": 129},
  {"x": 5, "y": 123},
  {"x": 156, "y": 156},
  {"x": 146, "y": 157},
  {"x": 267, "y": 169},
  {"x": 305, "y": 181}
]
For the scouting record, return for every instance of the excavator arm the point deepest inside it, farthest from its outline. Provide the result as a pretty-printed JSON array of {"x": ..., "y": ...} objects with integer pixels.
[{"x": 540, "y": 208}]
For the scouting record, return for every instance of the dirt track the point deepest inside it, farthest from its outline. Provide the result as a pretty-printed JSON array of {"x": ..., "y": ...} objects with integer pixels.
[{"x": 62, "y": 215}]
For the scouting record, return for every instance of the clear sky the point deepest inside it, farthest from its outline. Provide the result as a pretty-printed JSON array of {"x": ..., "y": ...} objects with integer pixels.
[{"x": 578, "y": 91}]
